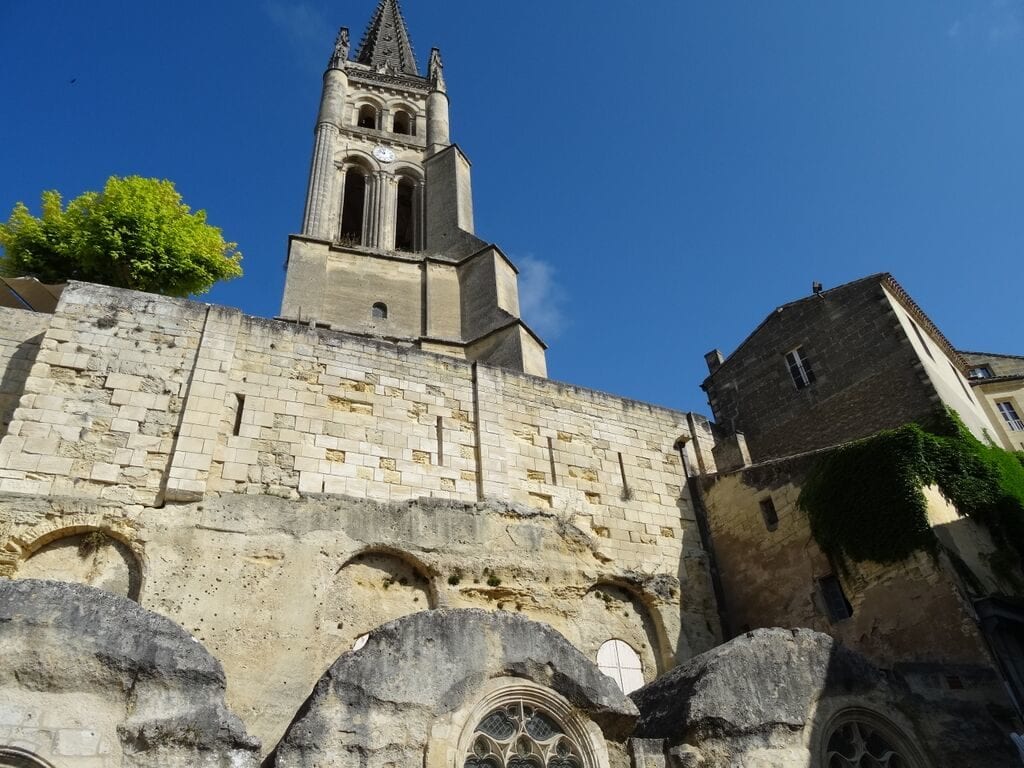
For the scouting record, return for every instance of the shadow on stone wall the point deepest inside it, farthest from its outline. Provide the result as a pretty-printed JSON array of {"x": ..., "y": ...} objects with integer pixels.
[
  {"x": 789, "y": 697},
  {"x": 12, "y": 384}
]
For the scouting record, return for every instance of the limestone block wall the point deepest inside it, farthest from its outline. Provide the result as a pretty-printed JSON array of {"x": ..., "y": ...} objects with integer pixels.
[
  {"x": 280, "y": 491},
  {"x": 144, "y": 399},
  {"x": 20, "y": 332}
]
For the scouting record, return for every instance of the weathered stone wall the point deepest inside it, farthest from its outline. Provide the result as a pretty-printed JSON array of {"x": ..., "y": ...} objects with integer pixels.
[
  {"x": 269, "y": 487},
  {"x": 770, "y": 577},
  {"x": 860, "y": 356},
  {"x": 20, "y": 333},
  {"x": 1001, "y": 365}
]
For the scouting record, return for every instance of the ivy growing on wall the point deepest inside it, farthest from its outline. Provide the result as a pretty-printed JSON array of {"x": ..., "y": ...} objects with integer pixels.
[{"x": 865, "y": 500}]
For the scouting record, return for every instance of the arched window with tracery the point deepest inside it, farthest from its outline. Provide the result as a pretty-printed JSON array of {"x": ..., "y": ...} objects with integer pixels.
[
  {"x": 11, "y": 757},
  {"x": 519, "y": 735},
  {"x": 621, "y": 663},
  {"x": 862, "y": 739}
]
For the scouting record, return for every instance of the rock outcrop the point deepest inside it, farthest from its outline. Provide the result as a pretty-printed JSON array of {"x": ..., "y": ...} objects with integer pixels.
[{"x": 89, "y": 675}]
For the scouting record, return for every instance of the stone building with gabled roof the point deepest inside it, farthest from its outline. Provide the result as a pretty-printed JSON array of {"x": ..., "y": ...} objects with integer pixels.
[{"x": 837, "y": 365}]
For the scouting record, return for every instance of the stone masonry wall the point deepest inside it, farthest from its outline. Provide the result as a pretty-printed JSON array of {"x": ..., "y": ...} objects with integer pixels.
[
  {"x": 770, "y": 575},
  {"x": 860, "y": 357},
  {"x": 143, "y": 399},
  {"x": 20, "y": 332},
  {"x": 280, "y": 491}
]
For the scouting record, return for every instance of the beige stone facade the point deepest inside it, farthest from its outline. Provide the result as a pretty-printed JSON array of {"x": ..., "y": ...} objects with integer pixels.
[{"x": 281, "y": 491}]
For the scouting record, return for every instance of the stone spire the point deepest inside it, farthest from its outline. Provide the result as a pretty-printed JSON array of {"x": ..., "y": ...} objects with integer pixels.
[{"x": 385, "y": 44}]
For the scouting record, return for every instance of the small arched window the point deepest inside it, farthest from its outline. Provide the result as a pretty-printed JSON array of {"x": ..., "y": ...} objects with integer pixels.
[
  {"x": 367, "y": 116},
  {"x": 404, "y": 123},
  {"x": 380, "y": 311},
  {"x": 621, "y": 663}
]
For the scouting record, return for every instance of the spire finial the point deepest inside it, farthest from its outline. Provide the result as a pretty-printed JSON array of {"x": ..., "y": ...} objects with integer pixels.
[
  {"x": 341, "y": 48},
  {"x": 385, "y": 45},
  {"x": 436, "y": 71}
]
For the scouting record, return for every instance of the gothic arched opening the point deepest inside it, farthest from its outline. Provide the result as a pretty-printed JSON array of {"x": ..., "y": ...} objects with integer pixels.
[
  {"x": 405, "y": 218},
  {"x": 404, "y": 123},
  {"x": 367, "y": 116},
  {"x": 353, "y": 207}
]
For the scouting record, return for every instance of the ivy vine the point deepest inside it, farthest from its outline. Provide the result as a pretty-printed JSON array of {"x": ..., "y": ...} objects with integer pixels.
[{"x": 865, "y": 500}]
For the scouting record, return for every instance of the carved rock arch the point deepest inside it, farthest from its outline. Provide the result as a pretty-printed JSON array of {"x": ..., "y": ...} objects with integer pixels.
[{"x": 117, "y": 543}]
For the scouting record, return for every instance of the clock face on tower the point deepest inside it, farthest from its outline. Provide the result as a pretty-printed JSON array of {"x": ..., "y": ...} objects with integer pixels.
[{"x": 384, "y": 154}]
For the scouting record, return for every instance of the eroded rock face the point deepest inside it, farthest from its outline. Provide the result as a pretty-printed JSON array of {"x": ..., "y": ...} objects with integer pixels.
[
  {"x": 87, "y": 674},
  {"x": 380, "y": 705}
]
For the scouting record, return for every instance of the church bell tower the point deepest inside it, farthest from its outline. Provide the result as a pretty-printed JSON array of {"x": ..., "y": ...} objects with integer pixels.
[{"x": 387, "y": 247}]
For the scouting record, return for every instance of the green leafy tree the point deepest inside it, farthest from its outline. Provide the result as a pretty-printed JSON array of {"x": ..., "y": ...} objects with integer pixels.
[{"x": 137, "y": 233}]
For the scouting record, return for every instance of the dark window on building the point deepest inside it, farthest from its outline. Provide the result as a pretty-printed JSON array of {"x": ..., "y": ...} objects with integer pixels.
[
  {"x": 800, "y": 368},
  {"x": 771, "y": 517},
  {"x": 405, "y": 227},
  {"x": 404, "y": 123},
  {"x": 353, "y": 208},
  {"x": 836, "y": 604},
  {"x": 1010, "y": 416},
  {"x": 980, "y": 372},
  {"x": 380, "y": 311},
  {"x": 367, "y": 117}
]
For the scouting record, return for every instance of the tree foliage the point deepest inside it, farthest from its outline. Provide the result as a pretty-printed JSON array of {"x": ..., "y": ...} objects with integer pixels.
[{"x": 137, "y": 233}]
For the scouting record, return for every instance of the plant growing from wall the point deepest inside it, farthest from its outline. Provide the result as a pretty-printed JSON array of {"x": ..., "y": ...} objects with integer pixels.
[{"x": 865, "y": 500}]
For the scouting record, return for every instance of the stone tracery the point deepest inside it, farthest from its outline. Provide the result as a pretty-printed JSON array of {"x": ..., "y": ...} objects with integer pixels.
[{"x": 521, "y": 736}]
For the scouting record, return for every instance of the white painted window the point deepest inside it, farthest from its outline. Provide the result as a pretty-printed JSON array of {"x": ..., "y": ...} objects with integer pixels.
[
  {"x": 800, "y": 368},
  {"x": 980, "y": 372},
  {"x": 1010, "y": 415},
  {"x": 622, "y": 664}
]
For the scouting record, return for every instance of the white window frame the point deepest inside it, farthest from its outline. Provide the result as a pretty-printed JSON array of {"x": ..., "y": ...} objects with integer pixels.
[
  {"x": 1009, "y": 414},
  {"x": 799, "y": 366}
]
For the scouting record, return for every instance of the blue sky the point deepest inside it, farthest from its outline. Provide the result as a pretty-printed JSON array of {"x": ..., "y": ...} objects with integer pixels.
[{"x": 665, "y": 172}]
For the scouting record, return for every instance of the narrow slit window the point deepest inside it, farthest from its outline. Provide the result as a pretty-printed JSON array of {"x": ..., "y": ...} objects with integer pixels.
[
  {"x": 627, "y": 494},
  {"x": 239, "y": 410},
  {"x": 439, "y": 432},
  {"x": 800, "y": 368},
  {"x": 769, "y": 513},
  {"x": 551, "y": 459},
  {"x": 836, "y": 604}
]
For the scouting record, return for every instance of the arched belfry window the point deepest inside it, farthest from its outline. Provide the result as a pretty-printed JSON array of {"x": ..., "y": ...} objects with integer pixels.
[
  {"x": 367, "y": 117},
  {"x": 379, "y": 311},
  {"x": 405, "y": 215},
  {"x": 353, "y": 207},
  {"x": 621, "y": 663},
  {"x": 404, "y": 123},
  {"x": 520, "y": 735}
]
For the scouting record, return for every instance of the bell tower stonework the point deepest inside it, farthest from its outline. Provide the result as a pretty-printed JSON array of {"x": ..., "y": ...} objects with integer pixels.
[{"x": 387, "y": 247}]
